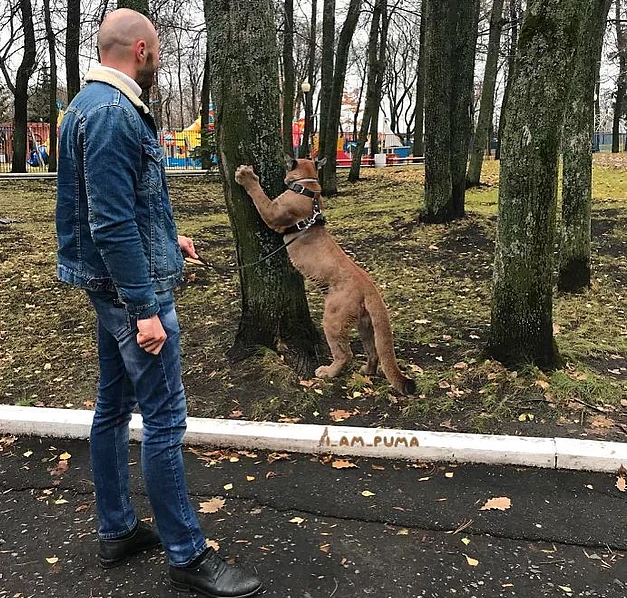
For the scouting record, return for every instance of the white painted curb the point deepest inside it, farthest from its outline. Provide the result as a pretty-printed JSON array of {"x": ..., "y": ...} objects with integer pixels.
[{"x": 556, "y": 453}]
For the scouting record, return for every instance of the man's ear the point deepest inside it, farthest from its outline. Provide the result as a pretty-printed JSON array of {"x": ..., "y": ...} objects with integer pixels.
[
  {"x": 320, "y": 163},
  {"x": 290, "y": 163}
]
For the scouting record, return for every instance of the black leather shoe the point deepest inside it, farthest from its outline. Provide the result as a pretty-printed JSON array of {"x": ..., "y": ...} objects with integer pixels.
[
  {"x": 115, "y": 552},
  {"x": 210, "y": 576}
]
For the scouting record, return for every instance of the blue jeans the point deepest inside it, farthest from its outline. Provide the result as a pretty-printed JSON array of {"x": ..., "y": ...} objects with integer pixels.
[{"x": 130, "y": 377}]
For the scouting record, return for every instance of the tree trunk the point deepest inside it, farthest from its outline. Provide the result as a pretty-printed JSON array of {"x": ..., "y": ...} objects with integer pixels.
[
  {"x": 288, "y": 78},
  {"x": 205, "y": 101},
  {"x": 619, "y": 101},
  {"x": 305, "y": 149},
  {"x": 466, "y": 18},
  {"x": 419, "y": 145},
  {"x": 72, "y": 43},
  {"x": 326, "y": 74},
  {"x": 366, "y": 118},
  {"x": 329, "y": 170},
  {"x": 244, "y": 75},
  {"x": 522, "y": 319},
  {"x": 379, "y": 73},
  {"x": 24, "y": 72},
  {"x": 514, "y": 15},
  {"x": 486, "y": 106},
  {"x": 574, "y": 255},
  {"x": 52, "y": 53}
]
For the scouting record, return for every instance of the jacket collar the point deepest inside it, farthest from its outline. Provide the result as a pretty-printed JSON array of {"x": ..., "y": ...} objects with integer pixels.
[{"x": 109, "y": 76}]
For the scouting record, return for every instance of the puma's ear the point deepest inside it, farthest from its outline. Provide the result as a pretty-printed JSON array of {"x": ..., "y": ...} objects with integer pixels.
[
  {"x": 320, "y": 163},
  {"x": 290, "y": 163}
]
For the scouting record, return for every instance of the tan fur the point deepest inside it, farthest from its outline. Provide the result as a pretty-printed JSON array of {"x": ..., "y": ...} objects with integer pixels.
[{"x": 351, "y": 297}]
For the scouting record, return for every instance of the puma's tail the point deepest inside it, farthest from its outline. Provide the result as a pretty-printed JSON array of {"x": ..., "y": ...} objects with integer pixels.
[{"x": 384, "y": 343}]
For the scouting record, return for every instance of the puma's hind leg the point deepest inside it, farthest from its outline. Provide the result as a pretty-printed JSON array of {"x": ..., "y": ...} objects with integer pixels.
[
  {"x": 337, "y": 321},
  {"x": 366, "y": 332}
]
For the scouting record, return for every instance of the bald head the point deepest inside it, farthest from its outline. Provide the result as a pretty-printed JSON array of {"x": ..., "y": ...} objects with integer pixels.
[{"x": 128, "y": 41}]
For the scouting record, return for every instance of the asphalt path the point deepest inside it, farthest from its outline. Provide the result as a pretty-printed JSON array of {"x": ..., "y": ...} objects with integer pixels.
[{"x": 386, "y": 529}]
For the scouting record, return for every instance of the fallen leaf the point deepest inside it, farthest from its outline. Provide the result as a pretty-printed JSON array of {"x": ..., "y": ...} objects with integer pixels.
[
  {"x": 466, "y": 541},
  {"x": 543, "y": 384},
  {"x": 449, "y": 474},
  {"x": 601, "y": 421},
  {"x": 236, "y": 413},
  {"x": 472, "y": 562},
  {"x": 289, "y": 420},
  {"x": 433, "y": 248},
  {"x": 60, "y": 501},
  {"x": 367, "y": 493},
  {"x": 250, "y": 478},
  {"x": 28, "y": 453},
  {"x": 339, "y": 415},
  {"x": 460, "y": 365},
  {"x": 212, "y": 506},
  {"x": 212, "y": 544},
  {"x": 296, "y": 520},
  {"x": 228, "y": 486},
  {"x": 64, "y": 456},
  {"x": 567, "y": 589},
  {"x": 526, "y": 417},
  {"x": 307, "y": 383},
  {"x": 378, "y": 467},
  {"x": 272, "y": 457},
  {"x": 325, "y": 547},
  {"x": 621, "y": 484},
  {"x": 501, "y": 503},
  {"x": 402, "y": 532},
  {"x": 52, "y": 559},
  {"x": 342, "y": 464}
]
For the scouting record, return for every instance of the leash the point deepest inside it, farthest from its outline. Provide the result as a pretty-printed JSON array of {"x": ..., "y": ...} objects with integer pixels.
[{"x": 300, "y": 228}]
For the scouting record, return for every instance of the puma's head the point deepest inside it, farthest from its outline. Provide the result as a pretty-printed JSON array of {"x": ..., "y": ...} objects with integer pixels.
[{"x": 302, "y": 168}]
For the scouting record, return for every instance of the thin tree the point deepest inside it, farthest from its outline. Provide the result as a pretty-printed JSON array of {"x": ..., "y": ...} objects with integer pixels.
[
  {"x": 515, "y": 14},
  {"x": 621, "y": 83},
  {"x": 486, "y": 106},
  {"x": 379, "y": 70},
  {"x": 329, "y": 170},
  {"x": 369, "y": 106},
  {"x": 305, "y": 148},
  {"x": 24, "y": 72},
  {"x": 245, "y": 83},
  {"x": 52, "y": 54},
  {"x": 327, "y": 67},
  {"x": 574, "y": 255},
  {"x": 205, "y": 101},
  {"x": 288, "y": 76},
  {"x": 72, "y": 44},
  {"x": 418, "y": 148},
  {"x": 522, "y": 319}
]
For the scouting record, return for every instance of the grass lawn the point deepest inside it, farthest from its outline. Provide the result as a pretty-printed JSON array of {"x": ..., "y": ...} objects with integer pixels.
[{"x": 435, "y": 279}]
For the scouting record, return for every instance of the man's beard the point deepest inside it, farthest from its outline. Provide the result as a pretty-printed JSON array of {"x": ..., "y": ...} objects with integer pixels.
[{"x": 146, "y": 75}]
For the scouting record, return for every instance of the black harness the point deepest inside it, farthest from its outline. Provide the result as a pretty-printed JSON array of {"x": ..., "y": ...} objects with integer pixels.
[{"x": 317, "y": 217}]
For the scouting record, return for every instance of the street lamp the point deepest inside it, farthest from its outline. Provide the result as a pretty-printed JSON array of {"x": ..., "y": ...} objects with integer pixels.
[{"x": 305, "y": 87}]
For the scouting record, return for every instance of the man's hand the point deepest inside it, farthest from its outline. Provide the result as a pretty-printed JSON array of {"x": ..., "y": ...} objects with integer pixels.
[
  {"x": 151, "y": 335},
  {"x": 187, "y": 247}
]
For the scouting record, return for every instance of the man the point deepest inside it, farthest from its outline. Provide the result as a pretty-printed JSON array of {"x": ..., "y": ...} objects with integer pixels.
[{"x": 117, "y": 239}]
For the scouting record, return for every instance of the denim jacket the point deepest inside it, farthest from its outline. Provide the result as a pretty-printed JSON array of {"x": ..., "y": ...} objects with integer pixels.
[{"x": 115, "y": 227}]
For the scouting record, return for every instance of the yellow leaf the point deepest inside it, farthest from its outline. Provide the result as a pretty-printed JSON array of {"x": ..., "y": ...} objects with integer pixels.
[
  {"x": 472, "y": 562},
  {"x": 212, "y": 506},
  {"x": 402, "y": 532},
  {"x": 28, "y": 453},
  {"x": 64, "y": 456},
  {"x": 228, "y": 486},
  {"x": 501, "y": 503},
  {"x": 296, "y": 520},
  {"x": 250, "y": 478},
  {"x": 466, "y": 541},
  {"x": 367, "y": 493},
  {"x": 342, "y": 464},
  {"x": 52, "y": 559},
  {"x": 567, "y": 589},
  {"x": 424, "y": 479},
  {"x": 449, "y": 474},
  {"x": 543, "y": 384},
  {"x": 60, "y": 501}
]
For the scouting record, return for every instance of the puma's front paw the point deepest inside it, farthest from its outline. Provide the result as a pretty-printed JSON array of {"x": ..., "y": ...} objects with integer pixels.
[
  {"x": 324, "y": 371},
  {"x": 245, "y": 175}
]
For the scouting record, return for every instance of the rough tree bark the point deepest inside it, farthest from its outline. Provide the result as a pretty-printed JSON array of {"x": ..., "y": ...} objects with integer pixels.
[
  {"x": 24, "y": 72},
  {"x": 574, "y": 256},
  {"x": 52, "y": 54},
  {"x": 72, "y": 42},
  {"x": 329, "y": 170},
  {"x": 486, "y": 105},
  {"x": 288, "y": 77},
  {"x": 305, "y": 149},
  {"x": 522, "y": 319},
  {"x": 450, "y": 45},
  {"x": 418, "y": 148},
  {"x": 244, "y": 75},
  {"x": 326, "y": 72}
]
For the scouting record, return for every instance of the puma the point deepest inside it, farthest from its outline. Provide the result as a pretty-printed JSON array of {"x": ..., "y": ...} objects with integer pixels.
[{"x": 351, "y": 296}]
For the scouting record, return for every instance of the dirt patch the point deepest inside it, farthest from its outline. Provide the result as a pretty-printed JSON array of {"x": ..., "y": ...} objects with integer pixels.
[{"x": 435, "y": 280}]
